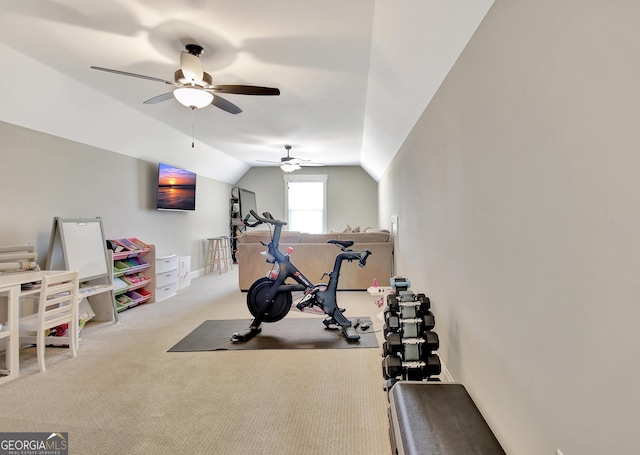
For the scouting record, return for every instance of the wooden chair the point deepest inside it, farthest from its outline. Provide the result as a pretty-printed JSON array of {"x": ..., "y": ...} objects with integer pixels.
[{"x": 57, "y": 305}]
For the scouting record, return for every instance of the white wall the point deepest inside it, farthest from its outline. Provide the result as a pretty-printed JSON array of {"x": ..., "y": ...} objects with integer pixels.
[
  {"x": 352, "y": 195},
  {"x": 517, "y": 201},
  {"x": 436, "y": 31},
  {"x": 45, "y": 176}
]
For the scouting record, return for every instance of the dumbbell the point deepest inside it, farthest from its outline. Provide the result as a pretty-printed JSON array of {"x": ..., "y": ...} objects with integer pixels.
[
  {"x": 394, "y": 344},
  {"x": 392, "y": 303},
  {"x": 410, "y": 328},
  {"x": 399, "y": 304},
  {"x": 391, "y": 323},
  {"x": 425, "y": 302},
  {"x": 414, "y": 327},
  {"x": 393, "y": 367},
  {"x": 418, "y": 371},
  {"x": 400, "y": 283},
  {"x": 394, "y": 319}
]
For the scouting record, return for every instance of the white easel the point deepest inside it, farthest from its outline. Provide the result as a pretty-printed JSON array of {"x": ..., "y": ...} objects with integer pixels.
[{"x": 79, "y": 244}]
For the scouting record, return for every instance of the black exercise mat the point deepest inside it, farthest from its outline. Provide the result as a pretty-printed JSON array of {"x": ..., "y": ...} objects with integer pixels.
[{"x": 292, "y": 333}]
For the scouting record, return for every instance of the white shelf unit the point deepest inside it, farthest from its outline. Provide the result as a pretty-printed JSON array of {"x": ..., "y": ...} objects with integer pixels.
[
  {"x": 9, "y": 336},
  {"x": 166, "y": 276},
  {"x": 133, "y": 273}
]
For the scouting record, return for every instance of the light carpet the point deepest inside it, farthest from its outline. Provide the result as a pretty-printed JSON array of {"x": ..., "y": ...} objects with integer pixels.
[{"x": 125, "y": 393}]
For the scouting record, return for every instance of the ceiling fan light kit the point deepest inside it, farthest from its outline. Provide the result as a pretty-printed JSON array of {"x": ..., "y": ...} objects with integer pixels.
[
  {"x": 192, "y": 97},
  {"x": 289, "y": 167}
]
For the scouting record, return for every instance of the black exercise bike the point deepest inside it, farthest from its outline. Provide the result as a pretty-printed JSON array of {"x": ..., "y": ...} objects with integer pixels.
[{"x": 269, "y": 299}]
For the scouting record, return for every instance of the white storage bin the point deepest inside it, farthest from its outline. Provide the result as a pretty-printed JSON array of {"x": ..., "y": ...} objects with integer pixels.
[
  {"x": 166, "y": 276},
  {"x": 165, "y": 279},
  {"x": 166, "y": 292},
  {"x": 165, "y": 263}
]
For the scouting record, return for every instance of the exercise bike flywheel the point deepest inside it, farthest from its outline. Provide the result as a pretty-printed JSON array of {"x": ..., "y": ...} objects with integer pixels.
[{"x": 256, "y": 297}]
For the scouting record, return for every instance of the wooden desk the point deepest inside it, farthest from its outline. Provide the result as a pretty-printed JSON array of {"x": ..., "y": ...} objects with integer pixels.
[{"x": 11, "y": 287}]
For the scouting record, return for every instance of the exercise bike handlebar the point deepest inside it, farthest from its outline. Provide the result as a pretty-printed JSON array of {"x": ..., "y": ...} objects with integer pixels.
[
  {"x": 266, "y": 218},
  {"x": 363, "y": 258}
]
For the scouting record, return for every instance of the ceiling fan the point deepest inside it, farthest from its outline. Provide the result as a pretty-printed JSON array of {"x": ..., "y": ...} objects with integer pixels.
[
  {"x": 289, "y": 163},
  {"x": 194, "y": 88}
]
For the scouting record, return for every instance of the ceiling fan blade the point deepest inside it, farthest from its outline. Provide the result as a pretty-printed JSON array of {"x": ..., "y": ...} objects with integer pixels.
[
  {"x": 225, "y": 105},
  {"x": 191, "y": 67},
  {"x": 271, "y": 162},
  {"x": 311, "y": 164},
  {"x": 159, "y": 98},
  {"x": 125, "y": 73},
  {"x": 246, "y": 90}
]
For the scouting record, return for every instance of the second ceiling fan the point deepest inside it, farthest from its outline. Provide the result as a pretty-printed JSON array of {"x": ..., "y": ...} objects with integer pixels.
[
  {"x": 289, "y": 163},
  {"x": 194, "y": 88}
]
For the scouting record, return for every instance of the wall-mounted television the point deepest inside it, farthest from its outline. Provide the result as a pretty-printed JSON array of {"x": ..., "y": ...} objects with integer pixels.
[
  {"x": 176, "y": 188},
  {"x": 247, "y": 202}
]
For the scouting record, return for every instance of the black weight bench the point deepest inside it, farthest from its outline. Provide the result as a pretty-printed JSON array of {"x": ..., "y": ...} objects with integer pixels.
[{"x": 432, "y": 418}]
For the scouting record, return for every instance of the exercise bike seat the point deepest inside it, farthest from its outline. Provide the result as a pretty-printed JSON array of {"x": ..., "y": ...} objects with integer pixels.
[{"x": 342, "y": 243}]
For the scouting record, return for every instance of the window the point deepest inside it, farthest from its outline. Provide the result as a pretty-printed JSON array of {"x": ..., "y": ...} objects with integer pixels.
[{"x": 305, "y": 203}]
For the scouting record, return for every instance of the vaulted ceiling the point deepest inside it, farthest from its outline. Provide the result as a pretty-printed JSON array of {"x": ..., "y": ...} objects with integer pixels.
[{"x": 354, "y": 75}]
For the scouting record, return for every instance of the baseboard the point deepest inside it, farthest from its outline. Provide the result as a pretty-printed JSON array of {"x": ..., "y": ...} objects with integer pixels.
[
  {"x": 445, "y": 374},
  {"x": 197, "y": 273}
]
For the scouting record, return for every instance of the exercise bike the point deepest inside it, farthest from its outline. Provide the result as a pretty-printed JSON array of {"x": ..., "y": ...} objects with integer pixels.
[{"x": 269, "y": 298}]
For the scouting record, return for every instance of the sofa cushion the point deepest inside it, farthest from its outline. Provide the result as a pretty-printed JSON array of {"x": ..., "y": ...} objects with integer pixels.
[
  {"x": 256, "y": 236},
  {"x": 377, "y": 230},
  {"x": 317, "y": 238}
]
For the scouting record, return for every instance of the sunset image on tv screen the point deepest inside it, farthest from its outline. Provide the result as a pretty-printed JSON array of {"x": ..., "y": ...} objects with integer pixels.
[{"x": 176, "y": 188}]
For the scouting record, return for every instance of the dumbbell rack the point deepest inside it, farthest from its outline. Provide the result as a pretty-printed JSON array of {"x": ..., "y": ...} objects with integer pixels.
[{"x": 410, "y": 342}]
